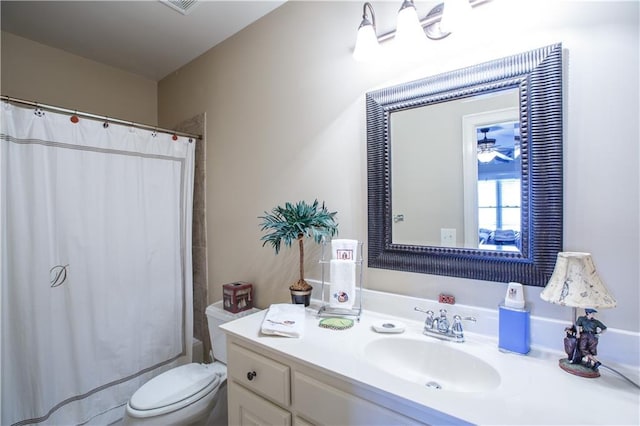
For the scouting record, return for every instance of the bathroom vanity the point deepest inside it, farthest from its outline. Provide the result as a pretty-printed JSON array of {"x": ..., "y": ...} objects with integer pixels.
[
  {"x": 360, "y": 377},
  {"x": 266, "y": 388}
]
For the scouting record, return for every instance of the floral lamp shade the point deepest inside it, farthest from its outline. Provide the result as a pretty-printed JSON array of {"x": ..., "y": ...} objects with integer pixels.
[{"x": 576, "y": 283}]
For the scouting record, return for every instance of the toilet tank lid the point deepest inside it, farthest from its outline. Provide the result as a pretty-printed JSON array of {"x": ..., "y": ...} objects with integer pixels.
[
  {"x": 217, "y": 311},
  {"x": 173, "y": 386}
]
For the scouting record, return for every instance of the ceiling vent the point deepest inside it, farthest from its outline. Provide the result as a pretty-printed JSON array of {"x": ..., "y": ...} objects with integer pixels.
[{"x": 183, "y": 6}]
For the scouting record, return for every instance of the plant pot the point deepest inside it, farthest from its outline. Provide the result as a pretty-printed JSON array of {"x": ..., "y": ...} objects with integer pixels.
[{"x": 299, "y": 297}]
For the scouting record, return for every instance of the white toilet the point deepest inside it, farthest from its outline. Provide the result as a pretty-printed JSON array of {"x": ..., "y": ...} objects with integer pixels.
[{"x": 191, "y": 393}]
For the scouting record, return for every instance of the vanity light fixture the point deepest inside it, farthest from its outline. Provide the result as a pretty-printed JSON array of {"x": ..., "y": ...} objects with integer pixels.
[
  {"x": 456, "y": 16},
  {"x": 367, "y": 45},
  {"x": 576, "y": 283},
  {"x": 410, "y": 36},
  {"x": 411, "y": 33}
]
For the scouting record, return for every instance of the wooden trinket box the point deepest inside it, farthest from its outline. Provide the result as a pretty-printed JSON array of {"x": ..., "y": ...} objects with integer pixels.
[{"x": 237, "y": 297}]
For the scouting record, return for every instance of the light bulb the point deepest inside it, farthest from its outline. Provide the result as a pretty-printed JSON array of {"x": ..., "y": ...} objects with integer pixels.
[
  {"x": 456, "y": 16},
  {"x": 367, "y": 46},
  {"x": 410, "y": 36}
]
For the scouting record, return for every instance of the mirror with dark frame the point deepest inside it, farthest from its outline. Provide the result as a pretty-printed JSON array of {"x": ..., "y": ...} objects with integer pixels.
[{"x": 409, "y": 170}]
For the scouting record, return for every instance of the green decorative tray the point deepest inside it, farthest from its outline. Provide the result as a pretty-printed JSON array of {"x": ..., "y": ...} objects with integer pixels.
[{"x": 336, "y": 323}]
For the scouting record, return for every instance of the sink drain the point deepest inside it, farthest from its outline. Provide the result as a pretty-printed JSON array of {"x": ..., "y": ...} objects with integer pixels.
[{"x": 433, "y": 385}]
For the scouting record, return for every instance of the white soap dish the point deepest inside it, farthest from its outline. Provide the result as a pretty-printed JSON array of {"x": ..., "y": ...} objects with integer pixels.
[{"x": 388, "y": 326}]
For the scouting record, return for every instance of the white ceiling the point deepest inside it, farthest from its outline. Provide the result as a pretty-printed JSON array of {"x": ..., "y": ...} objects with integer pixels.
[{"x": 147, "y": 37}]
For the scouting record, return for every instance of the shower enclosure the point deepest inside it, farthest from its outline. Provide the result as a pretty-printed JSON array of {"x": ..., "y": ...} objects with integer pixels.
[{"x": 95, "y": 269}]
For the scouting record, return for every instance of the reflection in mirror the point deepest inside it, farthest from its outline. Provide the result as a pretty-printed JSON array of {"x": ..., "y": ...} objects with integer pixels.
[
  {"x": 491, "y": 138},
  {"x": 498, "y": 187},
  {"x": 427, "y": 164},
  {"x": 465, "y": 171}
]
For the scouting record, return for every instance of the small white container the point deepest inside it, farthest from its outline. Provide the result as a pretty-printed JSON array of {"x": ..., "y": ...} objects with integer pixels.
[{"x": 515, "y": 296}]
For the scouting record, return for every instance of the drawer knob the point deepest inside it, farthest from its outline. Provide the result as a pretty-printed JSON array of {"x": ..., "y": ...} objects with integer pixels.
[{"x": 251, "y": 375}]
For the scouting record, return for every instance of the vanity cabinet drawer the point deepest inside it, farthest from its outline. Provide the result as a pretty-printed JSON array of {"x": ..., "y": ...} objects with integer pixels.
[
  {"x": 259, "y": 374},
  {"x": 324, "y": 404},
  {"x": 248, "y": 409}
]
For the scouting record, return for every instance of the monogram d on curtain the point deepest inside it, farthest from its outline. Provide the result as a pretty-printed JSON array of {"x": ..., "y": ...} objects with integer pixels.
[{"x": 96, "y": 264}]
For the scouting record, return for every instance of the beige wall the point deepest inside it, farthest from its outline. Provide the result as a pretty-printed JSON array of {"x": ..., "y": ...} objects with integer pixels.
[
  {"x": 35, "y": 72},
  {"x": 286, "y": 121},
  {"x": 278, "y": 129}
]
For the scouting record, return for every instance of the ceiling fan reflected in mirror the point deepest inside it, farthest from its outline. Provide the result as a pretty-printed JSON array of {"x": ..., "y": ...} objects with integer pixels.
[
  {"x": 516, "y": 146},
  {"x": 487, "y": 149}
]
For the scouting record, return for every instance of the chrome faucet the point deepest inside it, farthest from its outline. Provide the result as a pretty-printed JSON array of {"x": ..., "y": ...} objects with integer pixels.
[
  {"x": 443, "y": 322},
  {"x": 440, "y": 327}
]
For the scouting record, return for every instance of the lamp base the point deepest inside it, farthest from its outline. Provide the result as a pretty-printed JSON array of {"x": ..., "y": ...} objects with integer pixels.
[{"x": 578, "y": 369}]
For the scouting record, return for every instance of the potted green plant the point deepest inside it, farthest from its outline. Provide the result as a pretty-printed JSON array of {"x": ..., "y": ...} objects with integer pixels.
[{"x": 295, "y": 222}]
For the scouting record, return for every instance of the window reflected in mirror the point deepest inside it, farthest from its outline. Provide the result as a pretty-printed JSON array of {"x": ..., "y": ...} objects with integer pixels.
[{"x": 499, "y": 186}]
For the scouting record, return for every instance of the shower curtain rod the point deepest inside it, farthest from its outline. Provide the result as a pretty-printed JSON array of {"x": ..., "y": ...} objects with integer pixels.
[{"x": 98, "y": 117}]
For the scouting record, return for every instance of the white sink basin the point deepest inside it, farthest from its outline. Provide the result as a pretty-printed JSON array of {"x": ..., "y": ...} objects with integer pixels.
[{"x": 436, "y": 365}]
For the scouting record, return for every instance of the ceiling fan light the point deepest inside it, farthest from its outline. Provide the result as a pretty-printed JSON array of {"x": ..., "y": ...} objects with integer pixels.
[{"x": 486, "y": 156}]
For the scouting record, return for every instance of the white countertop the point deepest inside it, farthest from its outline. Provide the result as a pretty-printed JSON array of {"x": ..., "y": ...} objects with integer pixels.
[{"x": 532, "y": 390}]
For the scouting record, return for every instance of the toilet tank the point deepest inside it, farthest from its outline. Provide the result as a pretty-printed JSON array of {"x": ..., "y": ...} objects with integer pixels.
[{"x": 216, "y": 316}]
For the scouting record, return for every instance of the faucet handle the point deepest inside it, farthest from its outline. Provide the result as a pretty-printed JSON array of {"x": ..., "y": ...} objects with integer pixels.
[
  {"x": 456, "y": 328},
  {"x": 428, "y": 322},
  {"x": 458, "y": 319}
]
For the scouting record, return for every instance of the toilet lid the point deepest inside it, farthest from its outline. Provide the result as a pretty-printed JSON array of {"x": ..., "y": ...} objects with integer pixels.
[{"x": 173, "y": 386}]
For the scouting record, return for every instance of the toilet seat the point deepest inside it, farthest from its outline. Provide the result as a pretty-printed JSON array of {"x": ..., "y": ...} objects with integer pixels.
[{"x": 174, "y": 390}]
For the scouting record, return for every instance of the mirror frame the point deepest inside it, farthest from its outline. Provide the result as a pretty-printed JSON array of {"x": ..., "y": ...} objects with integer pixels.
[{"x": 538, "y": 76}]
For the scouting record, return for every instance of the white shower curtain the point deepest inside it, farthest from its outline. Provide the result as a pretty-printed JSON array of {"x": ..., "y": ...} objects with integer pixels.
[{"x": 96, "y": 264}]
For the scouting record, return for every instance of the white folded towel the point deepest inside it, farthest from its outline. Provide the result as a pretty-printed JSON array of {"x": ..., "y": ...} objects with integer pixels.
[
  {"x": 343, "y": 283},
  {"x": 284, "y": 319}
]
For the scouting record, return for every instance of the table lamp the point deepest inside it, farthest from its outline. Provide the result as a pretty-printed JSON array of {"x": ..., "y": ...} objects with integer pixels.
[{"x": 575, "y": 283}]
